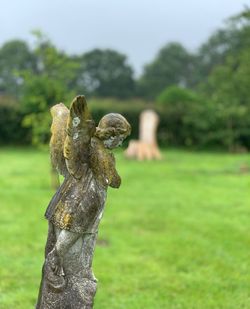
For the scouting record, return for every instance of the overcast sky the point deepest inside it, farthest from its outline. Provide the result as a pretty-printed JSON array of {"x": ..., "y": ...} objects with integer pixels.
[{"x": 137, "y": 28}]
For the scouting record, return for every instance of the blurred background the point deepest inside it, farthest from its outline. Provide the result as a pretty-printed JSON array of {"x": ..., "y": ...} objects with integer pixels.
[{"x": 176, "y": 234}]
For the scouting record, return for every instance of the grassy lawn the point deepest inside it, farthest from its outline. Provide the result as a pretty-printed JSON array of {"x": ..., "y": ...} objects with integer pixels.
[{"x": 175, "y": 235}]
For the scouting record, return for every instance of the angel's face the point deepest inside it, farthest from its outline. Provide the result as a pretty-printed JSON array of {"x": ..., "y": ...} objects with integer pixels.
[{"x": 114, "y": 141}]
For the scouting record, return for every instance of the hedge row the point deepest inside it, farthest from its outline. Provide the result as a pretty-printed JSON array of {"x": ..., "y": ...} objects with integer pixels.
[
  {"x": 192, "y": 124},
  {"x": 11, "y": 129}
]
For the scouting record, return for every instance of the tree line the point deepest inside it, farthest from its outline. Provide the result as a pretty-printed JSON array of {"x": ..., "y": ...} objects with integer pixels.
[{"x": 203, "y": 96}]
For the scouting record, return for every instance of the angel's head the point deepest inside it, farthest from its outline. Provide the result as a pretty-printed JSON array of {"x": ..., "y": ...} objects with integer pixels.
[{"x": 112, "y": 130}]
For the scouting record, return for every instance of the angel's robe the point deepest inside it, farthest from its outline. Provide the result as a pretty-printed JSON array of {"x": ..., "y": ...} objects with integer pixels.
[{"x": 79, "y": 202}]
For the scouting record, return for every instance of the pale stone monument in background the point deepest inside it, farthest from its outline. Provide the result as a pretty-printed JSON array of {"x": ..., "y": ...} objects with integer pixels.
[{"x": 146, "y": 148}]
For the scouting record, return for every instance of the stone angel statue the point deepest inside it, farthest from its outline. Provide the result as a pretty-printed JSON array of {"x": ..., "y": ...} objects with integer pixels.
[{"x": 80, "y": 152}]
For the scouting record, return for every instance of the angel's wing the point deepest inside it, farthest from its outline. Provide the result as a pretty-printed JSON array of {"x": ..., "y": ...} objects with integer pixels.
[
  {"x": 59, "y": 113},
  {"x": 80, "y": 129}
]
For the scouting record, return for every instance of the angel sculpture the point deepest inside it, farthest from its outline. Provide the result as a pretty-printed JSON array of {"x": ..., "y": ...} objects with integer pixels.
[{"x": 81, "y": 153}]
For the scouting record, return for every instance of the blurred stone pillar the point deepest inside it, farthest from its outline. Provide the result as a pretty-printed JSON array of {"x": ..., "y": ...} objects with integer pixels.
[{"x": 146, "y": 147}]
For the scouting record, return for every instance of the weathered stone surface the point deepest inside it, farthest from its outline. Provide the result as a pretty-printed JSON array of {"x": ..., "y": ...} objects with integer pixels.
[{"x": 83, "y": 157}]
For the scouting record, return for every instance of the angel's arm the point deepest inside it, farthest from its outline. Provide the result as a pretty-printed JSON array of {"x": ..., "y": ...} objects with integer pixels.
[
  {"x": 116, "y": 181},
  {"x": 80, "y": 129},
  {"x": 115, "y": 178}
]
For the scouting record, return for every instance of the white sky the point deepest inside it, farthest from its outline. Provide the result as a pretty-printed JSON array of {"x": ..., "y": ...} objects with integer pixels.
[{"x": 137, "y": 28}]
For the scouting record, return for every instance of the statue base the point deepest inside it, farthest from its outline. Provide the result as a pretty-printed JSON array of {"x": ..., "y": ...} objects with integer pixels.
[{"x": 76, "y": 293}]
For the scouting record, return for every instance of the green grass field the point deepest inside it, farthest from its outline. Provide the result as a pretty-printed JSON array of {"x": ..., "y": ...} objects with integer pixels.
[{"x": 175, "y": 235}]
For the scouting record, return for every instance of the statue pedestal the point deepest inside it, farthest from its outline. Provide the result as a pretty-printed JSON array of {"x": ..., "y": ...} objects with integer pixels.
[{"x": 78, "y": 293}]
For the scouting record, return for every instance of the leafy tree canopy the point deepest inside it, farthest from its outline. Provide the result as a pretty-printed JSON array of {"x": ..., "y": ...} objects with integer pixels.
[
  {"x": 172, "y": 66},
  {"x": 15, "y": 56},
  {"x": 175, "y": 94},
  {"x": 105, "y": 73}
]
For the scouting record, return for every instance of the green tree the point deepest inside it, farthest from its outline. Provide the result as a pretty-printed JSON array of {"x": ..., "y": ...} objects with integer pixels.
[
  {"x": 50, "y": 84},
  {"x": 214, "y": 52},
  {"x": 173, "y": 65},
  {"x": 223, "y": 43},
  {"x": 228, "y": 86},
  {"x": 184, "y": 112},
  {"x": 176, "y": 95},
  {"x": 105, "y": 73},
  {"x": 15, "y": 56}
]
